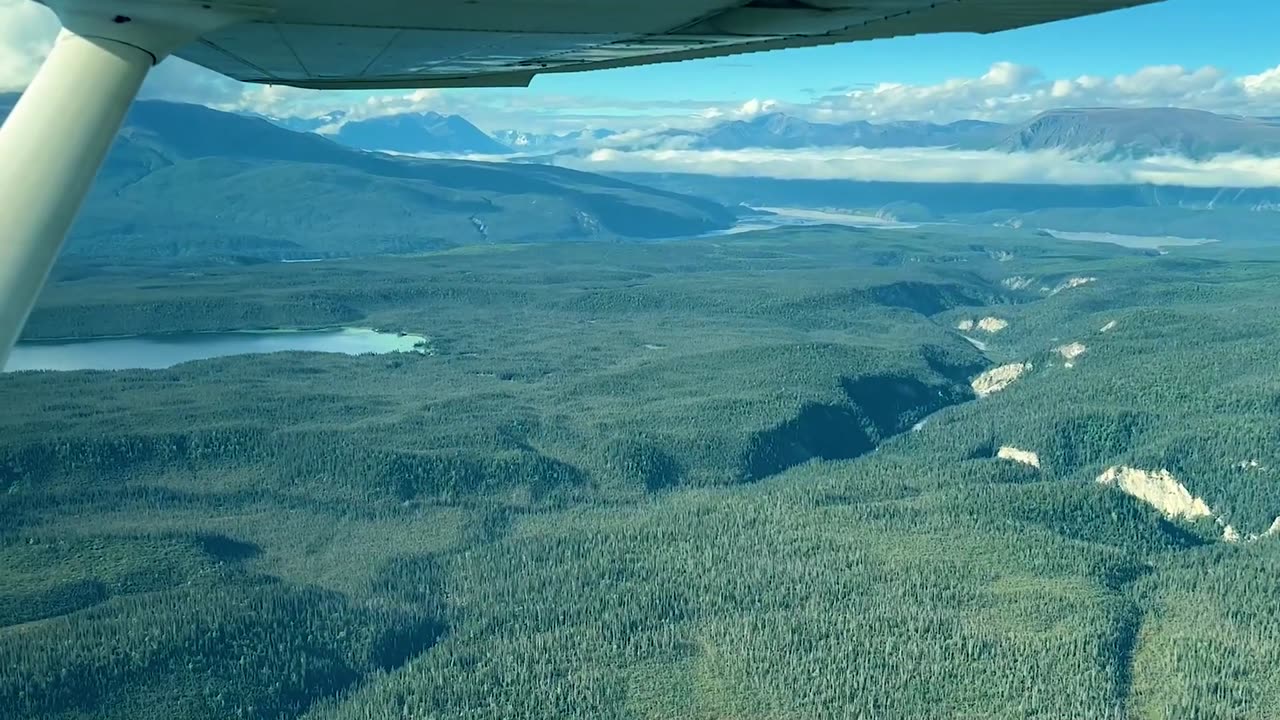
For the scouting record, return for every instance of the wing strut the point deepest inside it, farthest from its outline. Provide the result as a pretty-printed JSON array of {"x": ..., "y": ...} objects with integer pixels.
[{"x": 58, "y": 134}]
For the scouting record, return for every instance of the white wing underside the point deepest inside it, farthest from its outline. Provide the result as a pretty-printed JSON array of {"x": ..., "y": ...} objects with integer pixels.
[{"x": 467, "y": 43}]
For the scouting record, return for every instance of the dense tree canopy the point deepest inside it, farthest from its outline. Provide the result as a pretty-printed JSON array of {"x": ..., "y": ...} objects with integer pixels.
[{"x": 746, "y": 477}]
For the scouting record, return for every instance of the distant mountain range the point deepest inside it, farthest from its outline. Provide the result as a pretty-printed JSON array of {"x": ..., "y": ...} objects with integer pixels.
[
  {"x": 409, "y": 133},
  {"x": 427, "y": 132},
  {"x": 1102, "y": 133},
  {"x": 187, "y": 180},
  {"x": 1137, "y": 133},
  {"x": 1111, "y": 133},
  {"x": 781, "y": 131}
]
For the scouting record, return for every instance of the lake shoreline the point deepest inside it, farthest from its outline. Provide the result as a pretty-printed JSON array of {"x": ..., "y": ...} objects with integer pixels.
[
  {"x": 67, "y": 339},
  {"x": 155, "y": 351}
]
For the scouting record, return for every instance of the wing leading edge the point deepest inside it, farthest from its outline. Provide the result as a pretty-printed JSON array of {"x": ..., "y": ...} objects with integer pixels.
[{"x": 476, "y": 43}]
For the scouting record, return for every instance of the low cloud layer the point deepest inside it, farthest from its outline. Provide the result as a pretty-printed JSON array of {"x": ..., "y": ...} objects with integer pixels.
[
  {"x": 919, "y": 165},
  {"x": 938, "y": 165}
]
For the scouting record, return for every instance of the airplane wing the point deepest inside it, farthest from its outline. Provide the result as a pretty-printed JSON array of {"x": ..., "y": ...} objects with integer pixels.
[{"x": 471, "y": 43}]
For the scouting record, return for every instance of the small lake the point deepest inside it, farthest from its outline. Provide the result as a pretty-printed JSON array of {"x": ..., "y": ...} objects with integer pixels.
[{"x": 162, "y": 351}]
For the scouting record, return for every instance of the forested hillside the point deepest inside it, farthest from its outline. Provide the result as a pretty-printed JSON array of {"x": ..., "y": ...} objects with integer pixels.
[
  {"x": 819, "y": 473},
  {"x": 187, "y": 181}
]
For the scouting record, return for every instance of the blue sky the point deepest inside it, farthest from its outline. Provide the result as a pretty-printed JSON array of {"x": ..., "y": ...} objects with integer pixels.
[{"x": 1237, "y": 36}]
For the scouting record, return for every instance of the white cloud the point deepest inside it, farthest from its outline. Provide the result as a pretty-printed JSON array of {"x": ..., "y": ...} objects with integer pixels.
[
  {"x": 756, "y": 106},
  {"x": 1009, "y": 92},
  {"x": 178, "y": 80},
  {"x": 939, "y": 165},
  {"x": 662, "y": 138},
  {"x": 181, "y": 81},
  {"x": 27, "y": 31}
]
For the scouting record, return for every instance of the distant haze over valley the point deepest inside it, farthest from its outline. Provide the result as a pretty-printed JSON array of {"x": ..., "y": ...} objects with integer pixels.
[
  {"x": 1158, "y": 147},
  {"x": 187, "y": 180}
]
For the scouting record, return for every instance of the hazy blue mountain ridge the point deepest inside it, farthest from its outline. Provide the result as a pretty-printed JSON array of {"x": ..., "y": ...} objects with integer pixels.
[
  {"x": 427, "y": 132},
  {"x": 1144, "y": 132},
  {"x": 187, "y": 180},
  {"x": 1106, "y": 133},
  {"x": 1113, "y": 133}
]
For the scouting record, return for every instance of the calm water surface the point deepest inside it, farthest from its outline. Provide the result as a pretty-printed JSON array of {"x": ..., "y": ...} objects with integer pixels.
[{"x": 162, "y": 351}]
